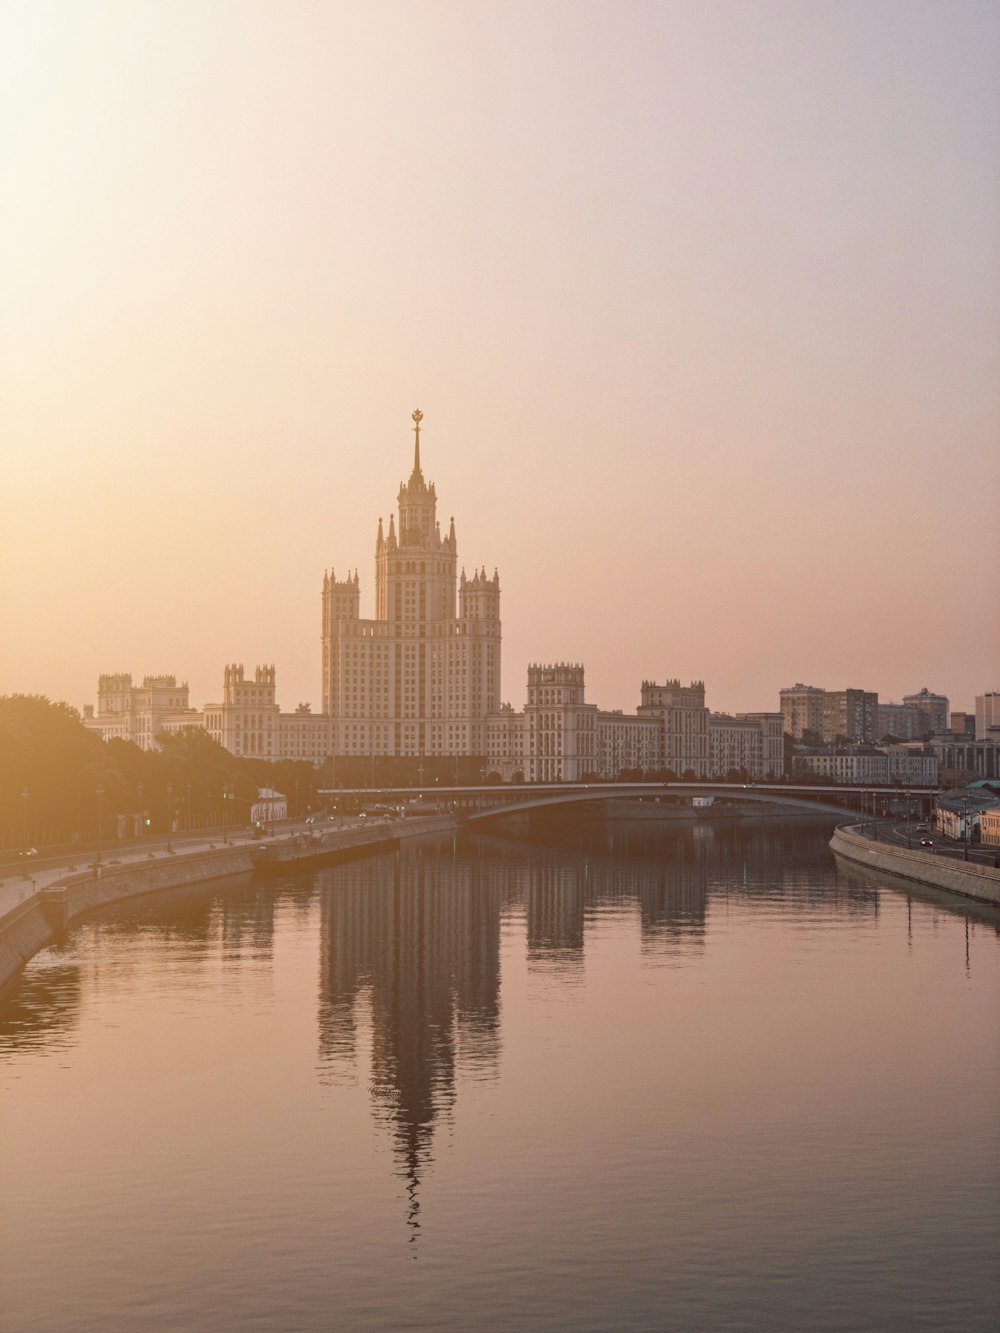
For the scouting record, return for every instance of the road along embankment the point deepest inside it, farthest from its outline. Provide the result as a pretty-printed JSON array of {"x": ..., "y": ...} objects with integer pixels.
[
  {"x": 34, "y": 922},
  {"x": 979, "y": 882}
]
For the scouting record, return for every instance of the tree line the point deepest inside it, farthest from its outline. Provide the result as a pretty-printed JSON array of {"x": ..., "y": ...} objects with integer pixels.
[{"x": 61, "y": 784}]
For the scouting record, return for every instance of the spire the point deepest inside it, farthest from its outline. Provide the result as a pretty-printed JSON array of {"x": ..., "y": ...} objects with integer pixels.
[
  {"x": 380, "y": 539},
  {"x": 417, "y": 417}
]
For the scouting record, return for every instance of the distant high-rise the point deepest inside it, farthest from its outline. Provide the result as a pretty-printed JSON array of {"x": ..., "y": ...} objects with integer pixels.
[
  {"x": 422, "y": 676},
  {"x": 802, "y": 709},
  {"x": 988, "y": 716},
  {"x": 934, "y": 710}
]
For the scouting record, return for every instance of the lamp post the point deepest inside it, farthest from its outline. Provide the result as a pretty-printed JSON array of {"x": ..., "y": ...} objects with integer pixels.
[
  {"x": 170, "y": 816},
  {"x": 100, "y": 802},
  {"x": 24, "y": 831},
  {"x": 965, "y": 827},
  {"x": 908, "y": 843},
  {"x": 140, "y": 809},
  {"x": 225, "y": 814}
]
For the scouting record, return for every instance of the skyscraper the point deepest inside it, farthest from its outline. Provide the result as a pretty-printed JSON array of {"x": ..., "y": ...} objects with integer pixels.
[{"x": 422, "y": 676}]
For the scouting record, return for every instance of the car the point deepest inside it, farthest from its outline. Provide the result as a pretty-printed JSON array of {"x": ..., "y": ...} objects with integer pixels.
[{"x": 927, "y": 842}]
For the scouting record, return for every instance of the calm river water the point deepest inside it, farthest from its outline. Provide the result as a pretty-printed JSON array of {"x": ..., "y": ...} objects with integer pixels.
[{"x": 629, "y": 1078}]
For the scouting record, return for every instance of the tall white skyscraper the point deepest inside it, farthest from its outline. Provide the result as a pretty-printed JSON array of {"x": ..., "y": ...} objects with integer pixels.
[{"x": 422, "y": 676}]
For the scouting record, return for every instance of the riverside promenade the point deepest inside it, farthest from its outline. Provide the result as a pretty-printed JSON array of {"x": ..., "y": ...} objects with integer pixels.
[
  {"x": 965, "y": 878},
  {"x": 35, "y": 910}
]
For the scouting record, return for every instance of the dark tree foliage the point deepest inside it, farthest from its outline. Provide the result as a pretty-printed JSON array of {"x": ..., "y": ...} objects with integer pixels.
[{"x": 46, "y": 751}]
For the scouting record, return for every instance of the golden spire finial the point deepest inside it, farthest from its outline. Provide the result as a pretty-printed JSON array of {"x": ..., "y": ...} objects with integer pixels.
[{"x": 417, "y": 417}]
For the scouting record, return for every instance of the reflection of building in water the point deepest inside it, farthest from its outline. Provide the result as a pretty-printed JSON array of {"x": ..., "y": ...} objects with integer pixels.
[
  {"x": 554, "y": 910},
  {"x": 418, "y": 935}
]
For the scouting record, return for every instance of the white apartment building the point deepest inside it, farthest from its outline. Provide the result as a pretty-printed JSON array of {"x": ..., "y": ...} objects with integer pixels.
[
  {"x": 865, "y": 765},
  {"x": 138, "y": 713},
  {"x": 748, "y": 744},
  {"x": 683, "y": 743},
  {"x": 424, "y": 675}
]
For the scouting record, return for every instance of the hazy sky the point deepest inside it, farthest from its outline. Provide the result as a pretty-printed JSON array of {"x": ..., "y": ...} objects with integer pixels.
[{"x": 701, "y": 303}]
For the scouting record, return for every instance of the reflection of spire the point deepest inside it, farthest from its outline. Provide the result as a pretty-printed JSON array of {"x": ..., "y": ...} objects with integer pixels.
[{"x": 418, "y": 933}]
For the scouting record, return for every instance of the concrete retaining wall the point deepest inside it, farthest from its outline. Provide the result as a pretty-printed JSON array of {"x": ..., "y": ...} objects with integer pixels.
[
  {"x": 971, "y": 881},
  {"x": 35, "y": 922}
]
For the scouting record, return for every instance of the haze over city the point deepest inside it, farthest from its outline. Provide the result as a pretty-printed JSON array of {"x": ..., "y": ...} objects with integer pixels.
[{"x": 700, "y": 303}]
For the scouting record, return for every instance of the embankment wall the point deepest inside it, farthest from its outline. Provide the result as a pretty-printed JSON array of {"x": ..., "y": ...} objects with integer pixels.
[
  {"x": 34, "y": 922},
  {"x": 970, "y": 881}
]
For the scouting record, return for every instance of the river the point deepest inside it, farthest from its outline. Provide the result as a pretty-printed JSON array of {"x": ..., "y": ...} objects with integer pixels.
[{"x": 602, "y": 1077}]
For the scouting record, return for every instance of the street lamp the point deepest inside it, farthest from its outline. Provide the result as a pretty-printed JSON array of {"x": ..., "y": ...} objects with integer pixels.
[
  {"x": 24, "y": 831},
  {"x": 225, "y": 813},
  {"x": 140, "y": 809},
  {"x": 170, "y": 816},
  {"x": 908, "y": 843},
  {"x": 100, "y": 801}
]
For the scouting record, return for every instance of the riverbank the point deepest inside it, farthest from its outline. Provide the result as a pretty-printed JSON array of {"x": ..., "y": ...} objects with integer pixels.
[
  {"x": 978, "y": 882},
  {"x": 31, "y": 919}
]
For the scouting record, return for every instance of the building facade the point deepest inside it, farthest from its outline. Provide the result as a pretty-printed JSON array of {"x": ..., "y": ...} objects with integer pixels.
[
  {"x": 802, "y": 709},
  {"x": 850, "y": 714},
  {"x": 138, "y": 713},
  {"x": 933, "y": 709},
  {"x": 901, "y": 721},
  {"x": 423, "y": 676},
  {"x": 988, "y": 716}
]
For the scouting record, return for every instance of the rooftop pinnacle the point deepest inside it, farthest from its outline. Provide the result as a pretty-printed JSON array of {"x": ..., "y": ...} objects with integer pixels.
[{"x": 417, "y": 417}]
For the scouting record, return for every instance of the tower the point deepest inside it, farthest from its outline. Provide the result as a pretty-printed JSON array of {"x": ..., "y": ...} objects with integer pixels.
[{"x": 420, "y": 678}]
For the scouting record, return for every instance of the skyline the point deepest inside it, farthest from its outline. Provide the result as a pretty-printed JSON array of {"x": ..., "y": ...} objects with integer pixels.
[{"x": 707, "y": 361}]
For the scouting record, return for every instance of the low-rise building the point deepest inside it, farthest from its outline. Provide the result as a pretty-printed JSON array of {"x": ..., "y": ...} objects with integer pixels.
[
  {"x": 958, "y": 813},
  {"x": 863, "y": 765}
]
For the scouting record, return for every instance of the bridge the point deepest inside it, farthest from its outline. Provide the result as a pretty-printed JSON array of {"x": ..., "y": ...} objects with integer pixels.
[{"x": 479, "y": 804}]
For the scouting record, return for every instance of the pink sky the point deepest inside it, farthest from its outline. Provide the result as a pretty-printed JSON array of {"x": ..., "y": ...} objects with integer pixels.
[{"x": 701, "y": 303}]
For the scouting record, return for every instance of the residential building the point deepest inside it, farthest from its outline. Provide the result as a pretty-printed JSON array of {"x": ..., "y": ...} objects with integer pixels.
[
  {"x": 862, "y": 765},
  {"x": 934, "y": 709},
  {"x": 901, "y": 721},
  {"x": 850, "y": 714},
  {"x": 802, "y": 710},
  {"x": 422, "y": 677},
  {"x": 559, "y": 726},
  {"x": 772, "y": 749},
  {"x": 138, "y": 713},
  {"x": 988, "y": 716},
  {"x": 683, "y": 743}
]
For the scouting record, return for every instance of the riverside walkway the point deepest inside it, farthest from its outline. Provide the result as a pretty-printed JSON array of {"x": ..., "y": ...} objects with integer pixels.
[{"x": 34, "y": 910}]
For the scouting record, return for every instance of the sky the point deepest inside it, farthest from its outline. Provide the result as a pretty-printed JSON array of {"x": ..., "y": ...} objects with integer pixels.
[{"x": 700, "y": 301}]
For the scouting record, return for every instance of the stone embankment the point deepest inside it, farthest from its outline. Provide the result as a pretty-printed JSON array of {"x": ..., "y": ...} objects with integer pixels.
[
  {"x": 40, "y": 915},
  {"x": 979, "y": 882}
]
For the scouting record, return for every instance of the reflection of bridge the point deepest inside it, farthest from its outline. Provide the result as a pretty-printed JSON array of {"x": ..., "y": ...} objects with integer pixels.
[{"x": 482, "y": 803}]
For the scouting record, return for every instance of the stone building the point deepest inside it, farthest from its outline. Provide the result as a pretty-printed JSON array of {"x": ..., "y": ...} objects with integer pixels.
[
  {"x": 138, "y": 713},
  {"x": 683, "y": 744},
  {"x": 422, "y": 677}
]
